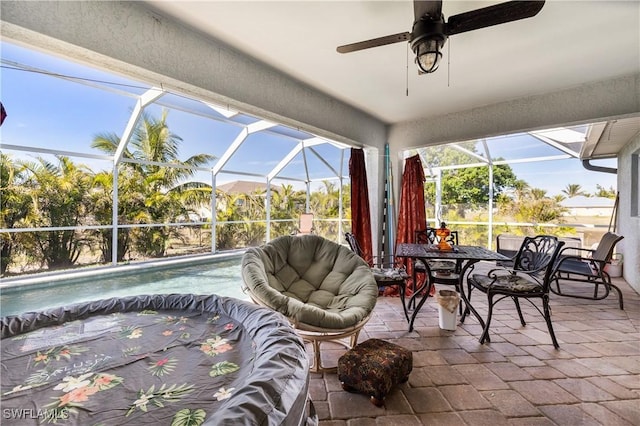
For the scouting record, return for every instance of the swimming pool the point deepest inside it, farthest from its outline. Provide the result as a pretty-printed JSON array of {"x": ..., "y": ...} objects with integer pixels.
[{"x": 218, "y": 275}]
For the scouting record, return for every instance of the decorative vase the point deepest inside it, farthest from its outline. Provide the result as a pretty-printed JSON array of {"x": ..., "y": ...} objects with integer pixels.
[{"x": 443, "y": 233}]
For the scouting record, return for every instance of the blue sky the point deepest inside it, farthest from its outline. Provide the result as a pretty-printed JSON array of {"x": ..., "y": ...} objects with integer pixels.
[
  {"x": 57, "y": 114},
  {"x": 554, "y": 175}
]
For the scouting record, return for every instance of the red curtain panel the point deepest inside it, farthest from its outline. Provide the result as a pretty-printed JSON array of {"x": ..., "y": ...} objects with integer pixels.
[
  {"x": 360, "y": 213},
  {"x": 3, "y": 114},
  {"x": 412, "y": 215}
]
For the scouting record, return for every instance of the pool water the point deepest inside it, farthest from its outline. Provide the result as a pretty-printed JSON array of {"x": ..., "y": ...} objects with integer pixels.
[{"x": 220, "y": 277}]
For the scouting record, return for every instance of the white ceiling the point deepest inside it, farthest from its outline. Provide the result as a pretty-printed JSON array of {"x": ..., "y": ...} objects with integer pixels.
[{"x": 567, "y": 44}]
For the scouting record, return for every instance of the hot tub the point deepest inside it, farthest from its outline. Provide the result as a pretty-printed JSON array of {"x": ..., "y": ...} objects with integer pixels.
[{"x": 161, "y": 359}]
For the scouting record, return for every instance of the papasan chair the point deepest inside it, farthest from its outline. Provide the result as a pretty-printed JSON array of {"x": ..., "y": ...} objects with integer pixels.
[{"x": 325, "y": 290}]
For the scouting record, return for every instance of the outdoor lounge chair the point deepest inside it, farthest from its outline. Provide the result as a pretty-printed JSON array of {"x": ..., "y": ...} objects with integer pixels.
[
  {"x": 327, "y": 291},
  {"x": 386, "y": 274},
  {"x": 588, "y": 269},
  {"x": 529, "y": 278},
  {"x": 305, "y": 224},
  {"x": 509, "y": 244}
]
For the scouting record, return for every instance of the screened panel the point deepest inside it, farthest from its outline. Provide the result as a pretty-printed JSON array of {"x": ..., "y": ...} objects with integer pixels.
[
  {"x": 243, "y": 119},
  {"x": 37, "y": 62},
  {"x": 337, "y": 158},
  {"x": 170, "y": 156},
  {"x": 48, "y": 251},
  {"x": 197, "y": 134},
  {"x": 518, "y": 147},
  {"x": 192, "y": 106},
  {"x": 41, "y": 107},
  {"x": 289, "y": 132},
  {"x": 319, "y": 169},
  {"x": 260, "y": 153},
  {"x": 295, "y": 169},
  {"x": 444, "y": 155}
]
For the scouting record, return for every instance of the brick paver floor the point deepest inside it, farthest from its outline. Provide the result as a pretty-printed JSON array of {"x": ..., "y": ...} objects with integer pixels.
[{"x": 517, "y": 379}]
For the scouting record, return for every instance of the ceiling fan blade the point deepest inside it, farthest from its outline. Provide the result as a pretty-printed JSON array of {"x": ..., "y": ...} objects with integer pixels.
[
  {"x": 492, "y": 15},
  {"x": 374, "y": 42},
  {"x": 432, "y": 8}
]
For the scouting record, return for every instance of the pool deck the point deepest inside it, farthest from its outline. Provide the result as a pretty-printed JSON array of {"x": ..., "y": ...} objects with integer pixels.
[{"x": 517, "y": 379}]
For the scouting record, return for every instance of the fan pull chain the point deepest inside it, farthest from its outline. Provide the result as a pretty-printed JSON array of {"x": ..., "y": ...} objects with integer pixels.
[
  {"x": 449, "y": 65},
  {"x": 407, "y": 72}
]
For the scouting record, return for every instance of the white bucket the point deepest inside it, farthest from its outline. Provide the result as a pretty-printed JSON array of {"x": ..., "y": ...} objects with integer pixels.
[
  {"x": 614, "y": 269},
  {"x": 446, "y": 319}
]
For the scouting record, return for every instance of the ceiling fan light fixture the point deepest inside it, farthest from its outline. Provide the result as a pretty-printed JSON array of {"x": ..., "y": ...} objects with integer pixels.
[
  {"x": 430, "y": 32},
  {"x": 428, "y": 35},
  {"x": 428, "y": 54}
]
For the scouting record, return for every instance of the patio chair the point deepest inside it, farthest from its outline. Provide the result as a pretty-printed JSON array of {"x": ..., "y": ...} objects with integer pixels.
[
  {"x": 325, "y": 290},
  {"x": 386, "y": 274},
  {"x": 440, "y": 271},
  {"x": 588, "y": 268},
  {"x": 529, "y": 278},
  {"x": 509, "y": 244},
  {"x": 305, "y": 224}
]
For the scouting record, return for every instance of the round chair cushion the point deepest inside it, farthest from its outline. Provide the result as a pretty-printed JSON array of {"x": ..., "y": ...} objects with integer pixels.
[
  {"x": 311, "y": 280},
  {"x": 513, "y": 283}
]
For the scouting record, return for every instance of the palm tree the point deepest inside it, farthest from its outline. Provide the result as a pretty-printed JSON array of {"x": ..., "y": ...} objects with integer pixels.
[
  {"x": 539, "y": 208},
  {"x": 326, "y": 203},
  {"x": 131, "y": 201},
  {"x": 165, "y": 190},
  {"x": 574, "y": 190},
  {"x": 59, "y": 198},
  {"x": 253, "y": 212},
  {"x": 14, "y": 206},
  {"x": 227, "y": 235},
  {"x": 152, "y": 141},
  {"x": 286, "y": 203},
  {"x": 606, "y": 193}
]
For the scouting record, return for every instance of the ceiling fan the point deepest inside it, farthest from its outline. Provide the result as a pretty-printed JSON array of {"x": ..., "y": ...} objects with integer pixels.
[{"x": 430, "y": 31}]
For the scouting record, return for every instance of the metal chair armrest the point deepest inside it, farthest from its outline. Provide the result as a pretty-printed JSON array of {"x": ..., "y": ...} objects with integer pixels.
[
  {"x": 574, "y": 249},
  {"x": 594, "y": 262},
  {"x": 494, "y": 271},
  {"x": 592, "y": 267}
]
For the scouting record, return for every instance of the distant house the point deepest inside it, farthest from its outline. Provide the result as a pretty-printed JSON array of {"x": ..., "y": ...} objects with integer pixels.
[
  {"x": 244, "y": 187},
  {"x": 588, "y": 206}
]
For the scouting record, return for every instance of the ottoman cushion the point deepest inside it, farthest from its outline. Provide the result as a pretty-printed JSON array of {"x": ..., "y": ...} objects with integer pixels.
[{"x": 373, "y": 367}]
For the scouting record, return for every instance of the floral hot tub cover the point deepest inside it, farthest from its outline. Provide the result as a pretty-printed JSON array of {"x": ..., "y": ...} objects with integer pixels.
[{"x": 161, "y": 359}]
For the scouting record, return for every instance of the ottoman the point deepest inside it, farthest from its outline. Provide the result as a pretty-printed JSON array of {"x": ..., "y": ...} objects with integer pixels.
[{"x": 373, "y": 367}]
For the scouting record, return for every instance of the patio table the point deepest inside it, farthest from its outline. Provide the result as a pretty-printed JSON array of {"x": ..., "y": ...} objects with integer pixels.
[{"x": 468, "y": 255}]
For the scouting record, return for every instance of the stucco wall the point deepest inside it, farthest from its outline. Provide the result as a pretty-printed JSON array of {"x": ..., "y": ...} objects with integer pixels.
[
  {"x": 628, "y": 225},
  {"x": 578, "y": 105}
]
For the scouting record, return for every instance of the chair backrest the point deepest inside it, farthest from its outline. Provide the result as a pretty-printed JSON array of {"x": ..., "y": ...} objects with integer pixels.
[
  {"x": 305, "y": 225},
  {"x": 332, "y": 286},
  {"x": 551, "y": 267},
  {"x": 428, "y": 236},
  {"x": 425, "y": 236},
  {"x": 536, "y": 253},
  {"x": 353, "y": 243},
  {"x": 508, "y": 245},
  {"x": 605, "y": 247},
  {"x": 453, "y": 238}
]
